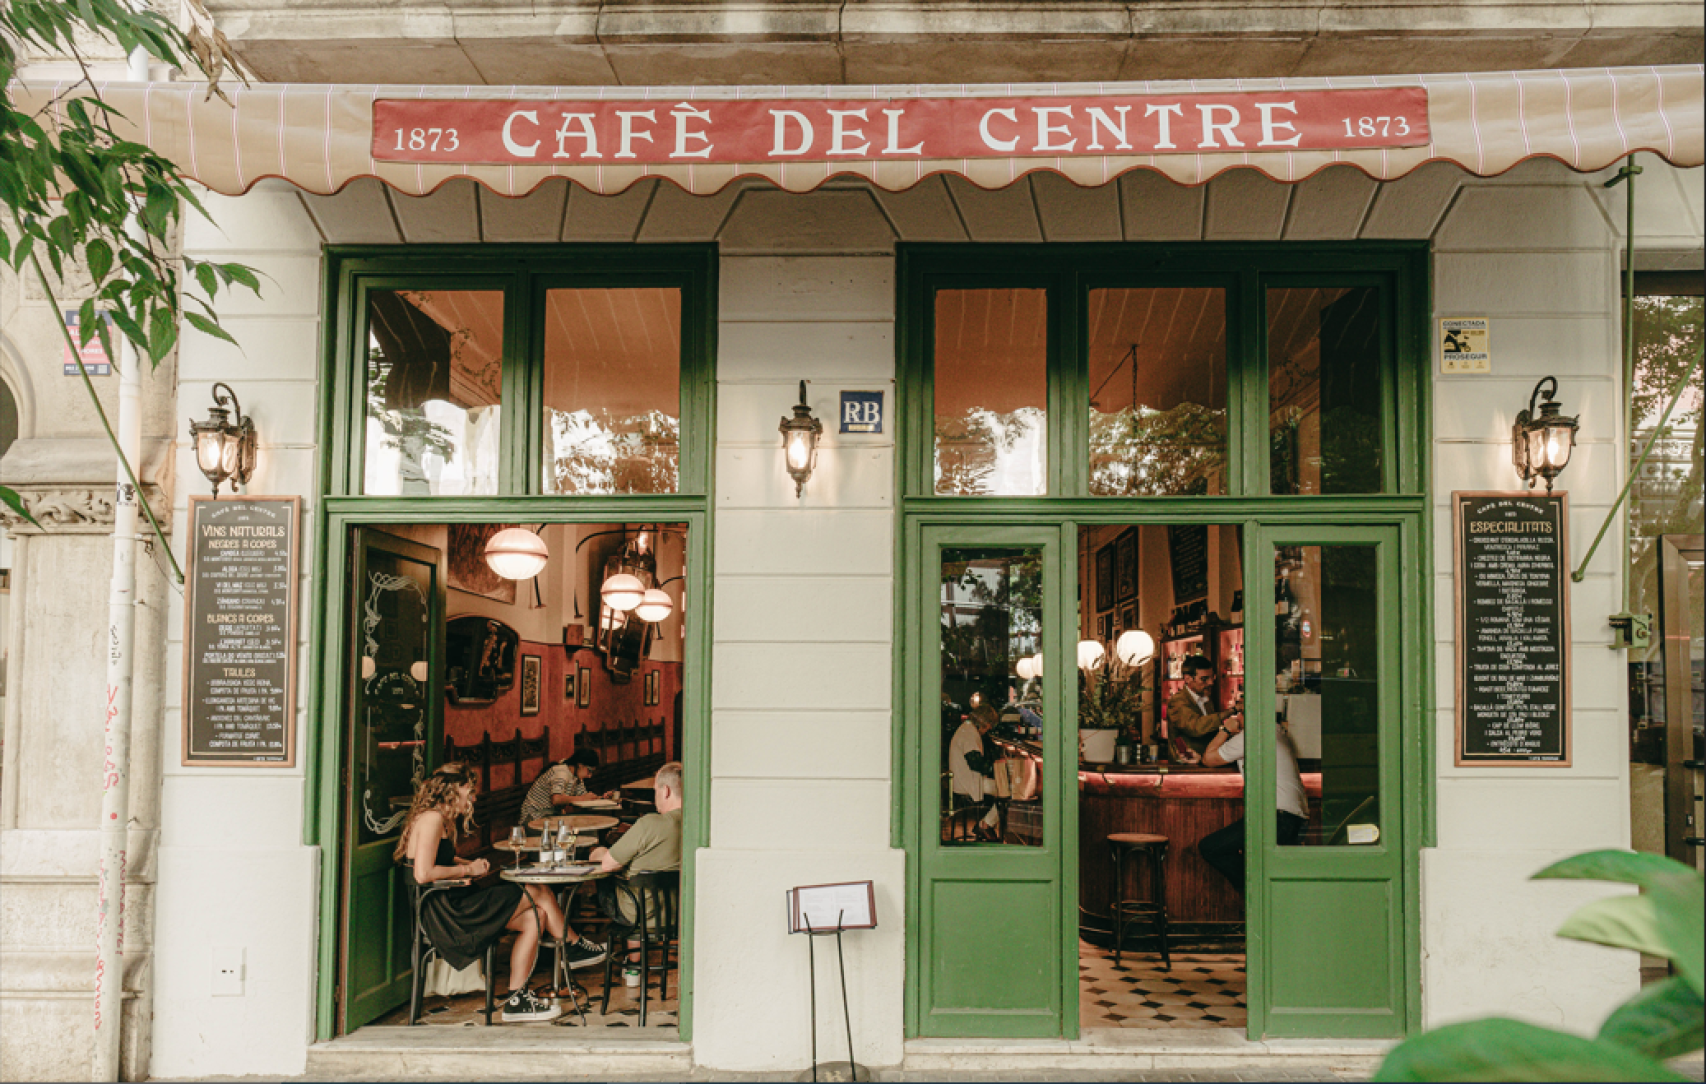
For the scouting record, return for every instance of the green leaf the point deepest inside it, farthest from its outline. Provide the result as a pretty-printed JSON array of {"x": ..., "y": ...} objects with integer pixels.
[
  {"x": 208, "y": 279},
  {"x": 1681, "y": 905},
  {"x": 99, "y": 256},
  {"x": 243, "y": 276},
  {"x": 1510, "y": 1050},
  {"x": 1664, "y": 1020},
  {"x": 162, "y": 334},
  {"x": 16, "y": 504},
  {"x": 208, "y": 327},
  {"x": 1630, "y": 922},
  {"x": 1623, "y": 867}
]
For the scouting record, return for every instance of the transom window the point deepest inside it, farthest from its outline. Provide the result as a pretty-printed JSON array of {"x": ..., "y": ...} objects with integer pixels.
[
  {"x": 1137, "y": 372},
  {"x": 476, "y": 375}
]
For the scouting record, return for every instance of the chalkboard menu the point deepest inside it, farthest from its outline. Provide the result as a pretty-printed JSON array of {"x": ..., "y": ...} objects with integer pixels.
[
  {"x": 1513, "y": 628},
  {"x": 1188, "y": 549},
  {"x": 240, "y": 632}
]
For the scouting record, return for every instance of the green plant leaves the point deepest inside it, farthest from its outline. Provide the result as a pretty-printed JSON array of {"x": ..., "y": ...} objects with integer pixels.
[
  {"x": 1668, "y": 919},
  {"x": 1507, "y": 1050},
  {"x": 1662, "y": 1021},
  {"x": 16, "y": 504}
]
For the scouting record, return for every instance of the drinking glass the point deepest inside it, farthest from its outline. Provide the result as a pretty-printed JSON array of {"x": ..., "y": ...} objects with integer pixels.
[{"x": 518, "y": 840}]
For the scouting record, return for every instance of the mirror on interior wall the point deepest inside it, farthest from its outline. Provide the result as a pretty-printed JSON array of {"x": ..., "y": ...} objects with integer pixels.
[{"x": 479, "y": 659}]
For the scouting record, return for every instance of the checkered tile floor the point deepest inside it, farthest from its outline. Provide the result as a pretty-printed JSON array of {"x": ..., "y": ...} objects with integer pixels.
[{"x": 1203, "y": 990}]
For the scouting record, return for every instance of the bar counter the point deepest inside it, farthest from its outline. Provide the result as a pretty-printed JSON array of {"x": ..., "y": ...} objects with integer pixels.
[{"x": 1183, "y": 803}]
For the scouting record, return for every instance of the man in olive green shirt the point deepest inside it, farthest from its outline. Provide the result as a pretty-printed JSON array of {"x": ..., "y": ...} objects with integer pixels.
[{"x": 653, "y": 843}]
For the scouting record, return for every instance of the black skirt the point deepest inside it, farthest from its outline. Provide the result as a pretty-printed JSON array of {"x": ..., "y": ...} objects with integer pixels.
[{"x": 461, "y": 922}]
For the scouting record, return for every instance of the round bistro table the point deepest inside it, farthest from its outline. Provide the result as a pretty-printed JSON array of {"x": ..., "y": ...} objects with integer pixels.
[
  {"x": 560, "y": 975},
  {"x": 579, "y": 822}
]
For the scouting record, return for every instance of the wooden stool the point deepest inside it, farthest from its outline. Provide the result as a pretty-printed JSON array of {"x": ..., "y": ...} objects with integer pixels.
[{"x": 1154, "y": 848}]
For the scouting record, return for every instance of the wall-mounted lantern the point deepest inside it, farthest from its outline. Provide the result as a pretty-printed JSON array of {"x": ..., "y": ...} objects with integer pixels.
[
  {"x": 1541, "y": 443},
  {"x": 516, "y": 553},
  {"x": 799, "y": 442},
  {"x": 224, "y": 450}
]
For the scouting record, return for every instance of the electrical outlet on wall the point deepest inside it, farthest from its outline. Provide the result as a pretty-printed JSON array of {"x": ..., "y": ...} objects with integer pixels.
[{"x": 228, "y": 971}]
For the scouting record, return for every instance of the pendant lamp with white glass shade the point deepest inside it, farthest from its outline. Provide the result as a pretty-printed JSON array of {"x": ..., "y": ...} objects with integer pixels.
[
  {"x": 516, "y": 553},
  {"x": 1025, "y": 669},
  {"x": 655, "y": 605},
  {"x": 623, "y": 592},
  {"x": 1134, "y": 647},
  {"x": 1090, "y": 654}
]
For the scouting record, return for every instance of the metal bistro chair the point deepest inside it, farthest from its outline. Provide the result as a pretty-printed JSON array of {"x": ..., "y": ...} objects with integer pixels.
[
  {"x": 421, "y": 950},
  {"x": 656, "y": 899}
]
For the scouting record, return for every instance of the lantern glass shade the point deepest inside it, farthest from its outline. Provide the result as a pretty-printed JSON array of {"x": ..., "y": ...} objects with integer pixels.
[
  {"x": 655, "y": 605},
  {"x": 210, "y": 453},
  {"x": 516, "y": 553},
  {"x": 623, "y": 592},
  {"x": 1134, "y": 647},
  {"x": 1090, "y": 654},
  {"x": 1024, "y": 669},
  {"x": 799, "y": 449}
]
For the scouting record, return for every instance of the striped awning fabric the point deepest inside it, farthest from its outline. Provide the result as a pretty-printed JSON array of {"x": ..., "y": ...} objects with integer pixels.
[{"x": 321, "y": 137}]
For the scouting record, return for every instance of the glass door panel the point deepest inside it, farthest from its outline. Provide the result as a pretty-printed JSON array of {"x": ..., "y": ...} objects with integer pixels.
[
  {"x": 987, "y": 756},
  {"x": 1325, "y": 855}
]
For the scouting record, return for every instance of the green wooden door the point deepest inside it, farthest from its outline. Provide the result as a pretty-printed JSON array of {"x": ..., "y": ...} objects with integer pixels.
[
  {"x": 1326, "y": 930},
  {"x": 992, "y": 924},
  {"x": 395, "y": 621}
]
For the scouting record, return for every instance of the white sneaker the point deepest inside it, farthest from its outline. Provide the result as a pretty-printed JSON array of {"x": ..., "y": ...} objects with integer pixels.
[{"x": 526, "y": 1007}]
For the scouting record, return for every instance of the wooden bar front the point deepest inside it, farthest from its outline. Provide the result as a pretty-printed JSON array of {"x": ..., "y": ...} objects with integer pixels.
[{"x": 1184, "y": 805}]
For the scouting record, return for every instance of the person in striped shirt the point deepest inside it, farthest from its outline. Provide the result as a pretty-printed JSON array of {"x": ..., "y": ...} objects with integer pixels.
[{"x": 559, "y": 786}]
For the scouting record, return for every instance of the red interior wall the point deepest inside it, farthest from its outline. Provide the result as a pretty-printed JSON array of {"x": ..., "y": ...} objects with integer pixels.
[{"x": 610, "y": 703}]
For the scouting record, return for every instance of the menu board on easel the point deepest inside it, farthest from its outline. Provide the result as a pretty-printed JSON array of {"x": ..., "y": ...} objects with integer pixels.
[
  {"x": 240, "y": 632},
  {"x": 1513, "y": 628}
]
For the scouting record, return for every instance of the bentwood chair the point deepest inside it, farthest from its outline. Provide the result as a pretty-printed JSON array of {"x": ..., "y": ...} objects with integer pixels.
[
  {"x": 655, "y": 900},
  {"x": 421, "y": 950}
]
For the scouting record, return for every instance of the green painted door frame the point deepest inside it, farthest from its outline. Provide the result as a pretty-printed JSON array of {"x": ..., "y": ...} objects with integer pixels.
[
  {"x": 524, "y": 272},
  {"x": 1401, "y": 515}
]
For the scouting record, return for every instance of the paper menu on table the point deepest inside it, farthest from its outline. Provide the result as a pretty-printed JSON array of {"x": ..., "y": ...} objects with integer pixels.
[{"x": 851, "y": 906}]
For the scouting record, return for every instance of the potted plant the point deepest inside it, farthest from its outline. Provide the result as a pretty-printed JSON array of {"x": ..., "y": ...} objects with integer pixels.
[{"x": 1110, "y": 700}]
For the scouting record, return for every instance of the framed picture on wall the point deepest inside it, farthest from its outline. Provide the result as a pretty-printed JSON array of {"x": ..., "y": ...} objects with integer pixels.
[
  {"x": 583, "y": 687},
  {"x": 651, "y": 688},
  {"x": 1125, "y": 566},
  {"x": 532, "y": 673},
  {"x": 1128, "y": 616},
  {"x": 569, "y": 686},
  {"x": 1105, "y": 578}
]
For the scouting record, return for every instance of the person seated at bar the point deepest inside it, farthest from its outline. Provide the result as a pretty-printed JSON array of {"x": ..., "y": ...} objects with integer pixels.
[
  {"x": 562, "y": 785},
  {"x": 973, "y": 769},
  {"x": 1224, "y": 848},
  {"x": 1189, "y": 717},
  {"x": 652, "y": 844},
  {"x": 460, "y": 922}
]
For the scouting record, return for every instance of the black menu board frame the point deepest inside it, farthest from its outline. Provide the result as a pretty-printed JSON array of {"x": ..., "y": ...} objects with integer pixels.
[
  {"x": 1546, "y": 517},
  {"x": 201, "y": 633},
  {"x": 1187, "y": 557}
]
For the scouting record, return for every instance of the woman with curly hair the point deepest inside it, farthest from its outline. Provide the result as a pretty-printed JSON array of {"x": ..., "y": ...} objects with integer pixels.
[{"x": 461, "y": 922}]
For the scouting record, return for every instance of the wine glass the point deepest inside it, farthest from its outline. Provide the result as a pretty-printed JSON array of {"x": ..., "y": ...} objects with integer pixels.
[{"x": 518, "y": 840}]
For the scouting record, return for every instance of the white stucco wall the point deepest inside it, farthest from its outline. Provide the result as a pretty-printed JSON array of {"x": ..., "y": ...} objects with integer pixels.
[
  {"x": 1539, "y": 252},
  {"x": 234, "y": 873}
]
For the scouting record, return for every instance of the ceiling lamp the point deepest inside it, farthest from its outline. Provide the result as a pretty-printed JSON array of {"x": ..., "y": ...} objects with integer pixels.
[
  {"x": 655, "y": 605},
  {"x": 1037, "y": 663},
  {"x": 1090, "y": 654},
  {"x": 516, "y": 553},
  {"x": 1134, "y": 647},
  {"x": 1025, "y": 669},
  {"x": 1541, "y": 443},
  {"x": 623, "y": 592}
]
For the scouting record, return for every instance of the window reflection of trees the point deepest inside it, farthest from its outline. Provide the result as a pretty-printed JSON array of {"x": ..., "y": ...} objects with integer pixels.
[
  {"x": 1152, "y": 452},
  {"x": 593, "y": 453},
  {"x": 974, "y": 451},
  {"x": 991, "y": 611}
]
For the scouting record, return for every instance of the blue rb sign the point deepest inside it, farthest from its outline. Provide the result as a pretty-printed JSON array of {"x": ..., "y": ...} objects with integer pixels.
[{"x": 861, "y": 412}]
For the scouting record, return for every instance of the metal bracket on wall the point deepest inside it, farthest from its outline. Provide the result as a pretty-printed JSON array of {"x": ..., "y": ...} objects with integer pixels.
[{"x": 1631, "y": 631}]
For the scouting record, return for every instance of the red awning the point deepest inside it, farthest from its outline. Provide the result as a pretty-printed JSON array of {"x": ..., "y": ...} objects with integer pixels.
[{"x": 605, "y": 138}]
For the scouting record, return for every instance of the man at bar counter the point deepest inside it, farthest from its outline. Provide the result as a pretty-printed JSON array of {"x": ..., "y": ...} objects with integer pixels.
[
  {"x": 1224, "y": 849},
  {"x": 1188, "y": 714}
]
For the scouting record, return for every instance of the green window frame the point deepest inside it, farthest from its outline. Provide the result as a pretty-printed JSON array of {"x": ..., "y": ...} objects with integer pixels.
[
  {"x": 523, "y": 273},
  {"x": 1246, "y": 270}
]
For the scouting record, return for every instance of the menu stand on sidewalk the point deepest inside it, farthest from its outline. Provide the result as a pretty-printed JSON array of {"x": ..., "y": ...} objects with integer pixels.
[{"x": 864, "y": 917}]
